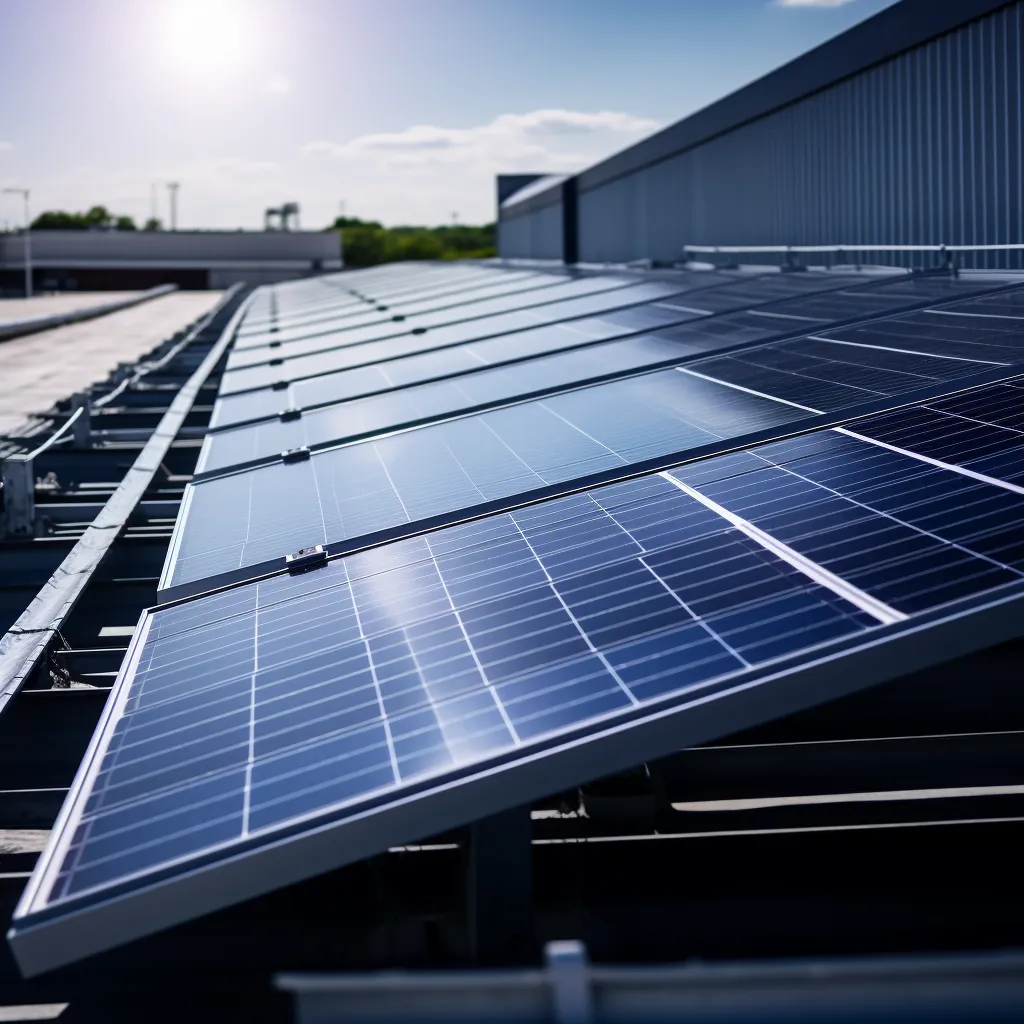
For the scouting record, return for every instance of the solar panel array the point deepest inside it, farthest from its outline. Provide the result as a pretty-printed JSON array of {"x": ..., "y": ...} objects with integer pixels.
[{"x": 720, "y": 497}]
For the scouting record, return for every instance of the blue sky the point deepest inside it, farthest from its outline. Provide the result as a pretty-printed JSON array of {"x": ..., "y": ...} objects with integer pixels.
[{"x": 402, "y": 109}]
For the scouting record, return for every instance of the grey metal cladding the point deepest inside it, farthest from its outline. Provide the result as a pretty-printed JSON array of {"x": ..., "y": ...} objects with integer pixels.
[
  {"x": 536, "y": 234},
  {"x": 906, "y": 130},
  {"x": 888, "y": 34}
]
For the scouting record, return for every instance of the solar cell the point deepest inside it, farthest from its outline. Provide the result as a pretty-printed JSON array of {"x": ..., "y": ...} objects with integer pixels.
[
  {"x": 833, "y": 370},
  {"x": 703, "y": 294},
  {"x": 413, "y": 290},
  {"x": 402, "y": 371},
  {"x": 387, "y": 349},
  {"x": 814, "y": 373},
  {"x": 385, "y": 412},
  {"x": 345, "y": 384},
  {"x": 528, "y": 287},
  {"x": 299, "y": 341},
  {"x": 282, "y": 302},
  {"x": 278, "y": 729},
  {"x": 339, "y": 494},
  {"x": 785, "y": 316},
  {"x": 413, "y": 287}
]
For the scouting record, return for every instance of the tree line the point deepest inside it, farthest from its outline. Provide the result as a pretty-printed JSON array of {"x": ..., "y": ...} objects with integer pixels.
[
  {"x": 367, "y": 242},
  {"x": 96, "y": 218}
]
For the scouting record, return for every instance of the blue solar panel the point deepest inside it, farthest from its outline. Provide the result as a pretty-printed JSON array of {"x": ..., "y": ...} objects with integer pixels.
[
  {"x": 813, "y": 373},
  {"x": 282, "y": 303},
  {"x": 530, "y": 308},
  {"x": 442, "y": 399},
  {"x": 327, "y": 377},
  {"x": 387, "y": 348},
  {"x": 283, "y": 727},
  {"x": 705, "y": 294},
  {"x": 343, "y": 385},
  {"x": 425, "y": 289},
  {"x": 525, "y": 288},
  {"x": 342, "y": 493},
  {"x": 710, "y": 334}
]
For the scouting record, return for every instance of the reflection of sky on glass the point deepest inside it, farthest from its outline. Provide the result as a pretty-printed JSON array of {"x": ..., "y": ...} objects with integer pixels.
[{"x": 404, "y": 109}]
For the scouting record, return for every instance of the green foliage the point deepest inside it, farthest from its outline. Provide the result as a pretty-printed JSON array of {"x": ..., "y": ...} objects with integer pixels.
[
  {"x": 97, "y": 217},
  {"x": 153, "y": 224},
  {"x": 367, "y": 243}
]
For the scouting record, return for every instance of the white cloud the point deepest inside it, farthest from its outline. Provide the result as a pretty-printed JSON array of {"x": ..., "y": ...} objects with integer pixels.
[
  {"x": 424, "y": 173},
  {"x": 508, "y": 136},
  {"x": 419, "y": 175},
  {"x": 812, "y": 3},
  {"x": 277, "y": 85},
  {"x": 6, "y": 147}
]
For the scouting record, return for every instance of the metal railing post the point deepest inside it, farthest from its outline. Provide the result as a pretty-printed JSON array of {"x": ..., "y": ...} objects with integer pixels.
[{"x": 19, "y": 496}]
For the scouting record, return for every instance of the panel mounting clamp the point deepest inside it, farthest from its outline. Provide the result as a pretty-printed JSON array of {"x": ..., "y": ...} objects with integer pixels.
[
  {"x": 299, "y": 454},
  {"x": 306, "y": 558},
  {"x": 287, "y": 415},
  {"x": 279, "y": 385}
]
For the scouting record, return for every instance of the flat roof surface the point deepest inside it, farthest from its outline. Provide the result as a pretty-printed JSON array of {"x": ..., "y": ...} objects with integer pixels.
[
  {"x": 37, "y": 370},
  {"x": 12, "y": 310}
]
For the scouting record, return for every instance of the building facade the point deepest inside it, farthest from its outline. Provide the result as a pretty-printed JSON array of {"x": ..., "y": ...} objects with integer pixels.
[
  {"x": 905, "y": 130},
  {"x": 97, "y": 260}
]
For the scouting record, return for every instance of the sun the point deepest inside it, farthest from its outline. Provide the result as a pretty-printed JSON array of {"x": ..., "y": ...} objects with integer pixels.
[{"x": 208, "y": 37}]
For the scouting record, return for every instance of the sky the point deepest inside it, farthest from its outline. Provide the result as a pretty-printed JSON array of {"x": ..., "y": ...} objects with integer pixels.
[{"x": 401, "y": 111}]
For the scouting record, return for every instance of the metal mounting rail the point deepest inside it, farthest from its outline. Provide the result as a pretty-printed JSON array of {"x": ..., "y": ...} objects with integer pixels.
[
  {"x": 28, "y": 638},
  {"x": 1002, "y": 247},
  {"x": 568, "y": 989}
]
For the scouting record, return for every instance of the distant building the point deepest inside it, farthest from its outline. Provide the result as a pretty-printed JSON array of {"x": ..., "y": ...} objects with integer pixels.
[{"x": 91, "y": 260}]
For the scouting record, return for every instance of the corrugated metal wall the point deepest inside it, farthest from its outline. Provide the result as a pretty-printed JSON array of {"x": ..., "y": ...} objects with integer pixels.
[
  {"x": 534, "y": 235},
  {"x": 924, "y": 148}
]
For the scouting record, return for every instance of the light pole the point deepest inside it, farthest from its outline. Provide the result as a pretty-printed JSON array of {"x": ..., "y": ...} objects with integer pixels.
[
  {"x": 23, "y": 192},
  {"x": 172, "y": 192}
]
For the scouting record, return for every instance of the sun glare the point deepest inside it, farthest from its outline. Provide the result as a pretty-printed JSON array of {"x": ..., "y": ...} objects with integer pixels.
[{"x": 208, "y": 37}]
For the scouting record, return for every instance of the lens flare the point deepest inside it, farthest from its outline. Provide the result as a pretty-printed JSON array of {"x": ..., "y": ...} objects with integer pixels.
[{"x": 208, "y": 37}]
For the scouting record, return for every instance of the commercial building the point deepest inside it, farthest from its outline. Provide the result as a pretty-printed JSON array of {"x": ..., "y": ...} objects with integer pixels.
[
  {"x": 91, "y": 260},
  {"x": 903, "y": 131}
]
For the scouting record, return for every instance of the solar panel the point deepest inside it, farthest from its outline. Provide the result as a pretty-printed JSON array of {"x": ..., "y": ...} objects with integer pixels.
[
  {"x": 297, "y": 298},
  {"x": 814, "y": 373},
  {"x": 711, "y": 292},
  {"x": 415, "y": 288},
  {"x": 439, "y": 362},
  {"x": 782, "y": 316},
  {"x": 980, "y": 433},
  {"x": 527, "y": 287},
  {"x": 302, "y": 341},
  {"x": 284, "y": 727},
  {"x": 365, "y": 354},
  {"x": 343, "y": 493},
  {"x": 700, "y": 334},
  {"x": 419, "y": 288},
  {"x": 405, "y": 406},
  {"x": 939, "y": 333},
  {"x": 821, "y": 372},
  {"x": 345, "y": 384}
]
